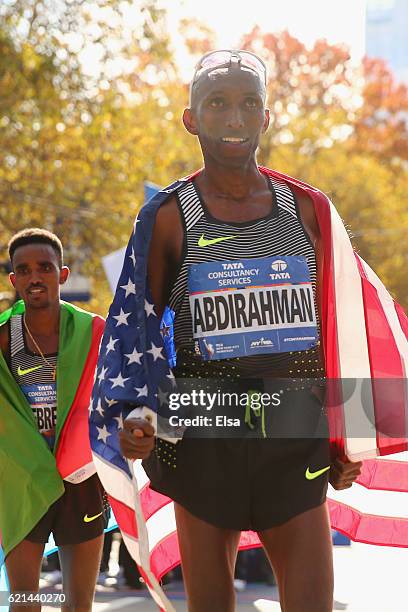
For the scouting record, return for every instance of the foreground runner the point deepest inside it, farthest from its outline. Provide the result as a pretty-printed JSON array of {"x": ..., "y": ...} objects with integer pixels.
[
  {"x": 47, "y": 361},
  {"x": 233, "y": 212}
]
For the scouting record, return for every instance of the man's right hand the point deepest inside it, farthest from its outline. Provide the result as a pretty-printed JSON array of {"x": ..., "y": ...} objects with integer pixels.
[
  {"x": 343, "y": 473},
  {"x": 136, "y": 439}
]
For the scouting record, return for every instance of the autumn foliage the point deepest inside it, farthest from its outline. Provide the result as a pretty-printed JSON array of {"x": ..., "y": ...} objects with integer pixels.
[
  {"x": 381, "y": 125},
  {"x": 77, "y": 143}
]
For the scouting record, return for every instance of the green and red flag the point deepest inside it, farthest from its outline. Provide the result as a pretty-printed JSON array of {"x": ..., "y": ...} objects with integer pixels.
[{"x": 31, "y": 476}]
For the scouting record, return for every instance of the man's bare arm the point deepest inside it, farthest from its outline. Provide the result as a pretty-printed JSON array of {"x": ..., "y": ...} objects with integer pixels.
[
  {"x": 165, "y": 253},
  {"x": 308, "y": 216},
  {"x": 137, "y": 439},
  {"x": 309, "y": 220},
  {"x": 4, "y": 340}
]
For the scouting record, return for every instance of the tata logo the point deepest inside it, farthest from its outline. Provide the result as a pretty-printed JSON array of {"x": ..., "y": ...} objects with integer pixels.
[
  {"x": 236, "y": 265},
  {"x": 279, "y": 265}
]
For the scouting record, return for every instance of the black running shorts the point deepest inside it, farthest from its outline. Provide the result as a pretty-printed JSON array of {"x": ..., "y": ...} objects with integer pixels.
[
  {"x": 251, "y": 483},
  {"x": 80, "y": 514}
]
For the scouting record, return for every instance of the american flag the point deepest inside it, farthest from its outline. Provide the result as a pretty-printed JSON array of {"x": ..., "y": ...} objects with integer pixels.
[{"x": 364, "y": 337}]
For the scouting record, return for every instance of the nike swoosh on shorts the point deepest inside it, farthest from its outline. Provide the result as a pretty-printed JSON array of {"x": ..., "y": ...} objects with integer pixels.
[
  {"x": 312, "y": 475},
  {"x": 88, "y": 519}
]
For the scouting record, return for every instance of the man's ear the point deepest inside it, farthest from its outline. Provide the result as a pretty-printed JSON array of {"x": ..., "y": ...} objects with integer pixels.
[
  {"x": 12, "y": 278},
  {"x": 189, "y": 121},
  {"x": 266, "y": 120},
  {"x": 64, "y": 273}
]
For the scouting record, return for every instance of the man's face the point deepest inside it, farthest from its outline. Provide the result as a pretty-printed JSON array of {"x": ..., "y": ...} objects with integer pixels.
[
  {"x": 229, "y": 115},
  {"x": 37, "y": 275}
]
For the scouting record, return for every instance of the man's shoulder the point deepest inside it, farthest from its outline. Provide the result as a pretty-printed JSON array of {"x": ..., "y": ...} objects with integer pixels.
[
  {"x": 77, "y": 311},
  {"x": 168, "y": 208},
  {"x": 167, "y": 213},
  {"x": 312, "y": 202},
  {"x": 302, "y": 189},
  {"x": 4, "y": 338},
  {"x": 306, "y": 197},
  {"x": 303, "y": 198},
  {"x": 84, "y": 319},
  {"x": 164, "y": 195},
  {"x": 17, "y": 308}
]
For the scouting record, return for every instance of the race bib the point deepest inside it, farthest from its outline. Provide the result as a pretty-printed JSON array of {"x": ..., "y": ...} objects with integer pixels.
[
  {"x": 251, "y": 307},
  {"x": 43, "y": 401}
]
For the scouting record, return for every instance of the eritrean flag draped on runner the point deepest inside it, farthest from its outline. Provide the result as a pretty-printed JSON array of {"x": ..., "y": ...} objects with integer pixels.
[
  {"x": 30, "y": 475},
  {"x": 364, "y": 335}
]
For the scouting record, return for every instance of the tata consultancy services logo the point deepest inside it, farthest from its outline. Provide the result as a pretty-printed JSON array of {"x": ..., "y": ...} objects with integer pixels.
[{"x": 279, "y": 265}]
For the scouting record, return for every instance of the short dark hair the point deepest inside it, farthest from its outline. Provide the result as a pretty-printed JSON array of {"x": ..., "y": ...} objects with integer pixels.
[{"x": 35, "y": 235}]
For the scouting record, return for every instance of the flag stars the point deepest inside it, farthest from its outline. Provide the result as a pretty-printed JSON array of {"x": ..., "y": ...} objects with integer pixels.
[
  {"x": 111, "y": 344},
  {"x": 102, "y": 373},
  {"x": 162, "y": 396},
  {"x": 156, "y": 352},
  {"x": 99, "y": 407},
  {"x": 119, "y": 381},
  {"x": 122, "y": 318},
  {"x": 165, "y": 331},
  {"x": 141, "y": 391},
  {"x": 149, "y": 309},
  {"x": 103, "y": 433},
  {"x": 137, "y": 220},
  {"x": 132, "y": 257},
  {"x": 111, "y": 402},
  {"x": 171, "y": 376},
  {"x": 134, "y": 357},
  {"x": 129, "y": 288},
  {"x": 119, "y": 419}
]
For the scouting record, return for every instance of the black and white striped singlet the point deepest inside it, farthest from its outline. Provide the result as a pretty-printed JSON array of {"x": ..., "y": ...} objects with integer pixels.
[
  {"x": 280, "y": 233},
  {"x": 35, "y": 378}
]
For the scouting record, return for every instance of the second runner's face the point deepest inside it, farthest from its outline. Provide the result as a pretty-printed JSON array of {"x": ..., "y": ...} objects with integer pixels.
[
  {"x": 229, "y": 117},
  {"x": 37, "y": 275}
]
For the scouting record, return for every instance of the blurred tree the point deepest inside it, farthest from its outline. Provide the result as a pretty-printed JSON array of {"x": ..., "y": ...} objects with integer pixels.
[
  {"x": 381, "y": 123},
  {"x": 369, "y": 196},
  {"x": 75, "y": 149},
  {"x": 344, "y": 130},
  {"x": 311, "y": 93},
  {"x": 78, "y": 137},
  {"x": 198, "y": 38}
]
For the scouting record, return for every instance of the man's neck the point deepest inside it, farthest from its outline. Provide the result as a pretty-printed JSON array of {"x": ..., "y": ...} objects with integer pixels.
[
  {"x": 43, "y": 321},
  {"x": 230, "y": 183}
]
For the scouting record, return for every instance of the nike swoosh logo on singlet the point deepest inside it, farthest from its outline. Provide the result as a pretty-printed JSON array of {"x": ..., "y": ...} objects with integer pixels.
[
  {"x": 88, "y": 519},
  {"x": 312, "y": 475},
  {"x": 203, "y": 242},
  {"x": 21, "y": 372}
]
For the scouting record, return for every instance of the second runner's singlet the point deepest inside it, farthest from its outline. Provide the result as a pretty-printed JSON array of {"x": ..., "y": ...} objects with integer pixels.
[
  {"x": 239, "y": 277},
  {"x": 35, "y": 378}
]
